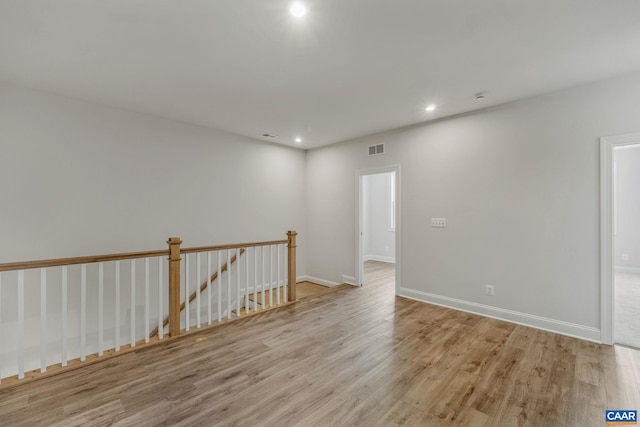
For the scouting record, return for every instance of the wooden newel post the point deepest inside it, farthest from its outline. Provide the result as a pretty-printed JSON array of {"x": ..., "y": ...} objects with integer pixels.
[
  {"x": 174, "y": 286},
  {"x": 291, "y": 262}
]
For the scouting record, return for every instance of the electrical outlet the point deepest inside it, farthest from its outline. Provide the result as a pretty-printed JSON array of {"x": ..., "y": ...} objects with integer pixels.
[
  {"x": 625, "y": 257},
  {"x": 439, "y": 222},
  {"x": 489, "y": 290}
]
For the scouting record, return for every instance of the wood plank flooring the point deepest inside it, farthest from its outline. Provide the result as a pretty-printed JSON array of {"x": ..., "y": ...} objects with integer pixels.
[
  {"x": 627, "y": 310},
  {"x": 345, "y": 357},
  {"x": 305, "y": 289}
]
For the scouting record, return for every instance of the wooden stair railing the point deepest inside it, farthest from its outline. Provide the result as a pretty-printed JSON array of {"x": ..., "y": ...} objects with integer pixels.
[
  {"x": 193, "y": 295},
  {"x": 99, "y": 273}
]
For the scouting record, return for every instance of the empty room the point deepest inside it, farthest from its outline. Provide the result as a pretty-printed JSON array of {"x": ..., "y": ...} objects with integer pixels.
[{"x": 319, "y": 213}]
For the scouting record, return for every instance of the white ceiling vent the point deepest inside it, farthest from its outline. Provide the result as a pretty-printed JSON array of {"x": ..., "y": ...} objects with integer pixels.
[{"x": 376, "y": 149}]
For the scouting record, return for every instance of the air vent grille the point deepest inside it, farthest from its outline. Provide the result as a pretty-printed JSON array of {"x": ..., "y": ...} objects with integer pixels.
[{"x": 374, "y": 150}]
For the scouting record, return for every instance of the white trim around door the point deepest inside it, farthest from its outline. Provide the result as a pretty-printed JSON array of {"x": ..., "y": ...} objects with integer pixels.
[
  {"x": 607, "y": 145},
  {"x": 359, "y": 221}
]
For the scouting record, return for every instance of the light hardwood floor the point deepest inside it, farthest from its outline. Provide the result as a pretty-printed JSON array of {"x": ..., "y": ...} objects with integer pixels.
[
  {"x": 303, "y": 290},
  {"x": 306, "y": 289},
  {"x": 627, "y": 309},
  {"x": 347, "y": 356}
]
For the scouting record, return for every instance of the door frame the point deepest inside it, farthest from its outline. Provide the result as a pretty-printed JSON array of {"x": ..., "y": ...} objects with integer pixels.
[
  {"x": 359, "y": 256},
  {"x": 607, "y": 277}
]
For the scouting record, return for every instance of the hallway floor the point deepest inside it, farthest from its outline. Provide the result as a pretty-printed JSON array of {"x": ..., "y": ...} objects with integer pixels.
[
  {"x": 381, "y": 274},
  {"x": 350, "y": 356},
  {"x": 627, "y": 309}
]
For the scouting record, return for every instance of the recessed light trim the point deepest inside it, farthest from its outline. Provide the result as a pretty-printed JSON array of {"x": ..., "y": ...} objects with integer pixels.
[
  {"x": 298, "y": 9},
  {"x": 430, "y": 108}
]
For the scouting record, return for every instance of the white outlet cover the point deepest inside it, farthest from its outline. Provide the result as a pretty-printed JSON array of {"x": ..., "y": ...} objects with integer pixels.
[{"x": 439, "y": 222}]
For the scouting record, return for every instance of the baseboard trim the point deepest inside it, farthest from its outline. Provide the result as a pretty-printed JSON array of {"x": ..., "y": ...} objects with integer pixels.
[
  {"x": 627, "y": 270},
  {"x": 317, "y": 280},
  {"x": 349, "y": 280},
  {"x": 380, "y": 258},
  {"x": 538, "y": 322}
]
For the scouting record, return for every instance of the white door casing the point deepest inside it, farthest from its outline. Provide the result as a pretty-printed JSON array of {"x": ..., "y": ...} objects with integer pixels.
[
  {"x": 607, "y": 145},
  {"x": 359, "y": 175}
]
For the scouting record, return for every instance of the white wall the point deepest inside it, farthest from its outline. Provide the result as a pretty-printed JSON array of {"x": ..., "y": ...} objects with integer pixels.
[
  {"x": 82, "y": 179},
  {"x": 519, "y": 186},
  {"x": 379, "y": 240},
  {"x": 79, "y": 179},
  {"x": 627, "y": 238}
]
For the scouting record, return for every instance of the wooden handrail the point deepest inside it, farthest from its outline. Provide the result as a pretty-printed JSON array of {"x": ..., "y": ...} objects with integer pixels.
[
  {"x": 56, "y": 262},
  {"x": 80, "y": 260},
  {"x": 231, "y": 246},
  {"x": 193, "y": 295}
]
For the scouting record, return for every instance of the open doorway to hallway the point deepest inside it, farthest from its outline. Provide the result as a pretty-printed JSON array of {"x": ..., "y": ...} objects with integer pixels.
[
  {"x": 378, "y": 224},
  {"x": 626, "y": 245}
]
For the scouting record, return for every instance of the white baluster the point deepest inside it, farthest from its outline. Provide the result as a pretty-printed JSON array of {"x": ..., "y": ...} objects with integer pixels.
[
  {"x": 278, "y": 284},
  {"x": 209, "y": 290},
  {"x": 255, "y": 278},
  {"x": 228, "y": 283},
  {"x": 238, "y": 282},
  {"x": 246, "y": 281},
  {"x": 160, "y": 297},
  {"x": 43, "y": 320},
  {"x": 146, "y": 300},
  {"x": 20, "y": 324},
  {"x": 219, "y": 287},
  {"x": 270, "y": 275},
  {"x": 262, "y": 251},
  {"x": 63, "y": 350},
  {"x": 133, "y": 303},
  {"x": 198, "y": 266},
  {"x": 284, "y": 272},
  {"x": 83, "y": 312},
  {"x": 117, "y": 313},
  {"x": 186, "y": 291},
  {"x": 100, "y": 308}
]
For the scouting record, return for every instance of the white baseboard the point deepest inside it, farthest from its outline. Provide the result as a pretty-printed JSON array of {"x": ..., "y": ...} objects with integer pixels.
[
  {"x": 380, "y": 258},
  {"x": 538, "y": 322},
  {"x": 317, "y": 280},
  {"x": 627, "y": 270},
  {"x": 349, "y": 280}
]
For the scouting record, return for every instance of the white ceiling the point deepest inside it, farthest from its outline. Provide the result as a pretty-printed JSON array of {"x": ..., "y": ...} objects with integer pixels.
[{"x": 347, "y": 69}]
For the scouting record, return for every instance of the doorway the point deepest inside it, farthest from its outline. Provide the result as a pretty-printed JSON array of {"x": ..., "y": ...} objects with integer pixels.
[
  {"x": 620, "y": 240},
  {"x": 378, "y": 225},
  {"x": 626, "y": 245}
]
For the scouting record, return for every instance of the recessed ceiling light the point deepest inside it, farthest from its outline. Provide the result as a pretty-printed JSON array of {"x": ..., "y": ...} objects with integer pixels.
[
  {"x": 298, "y": 9},
  {"x": 430, "y": 108},
  {"x": 298, "y": 139}
]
